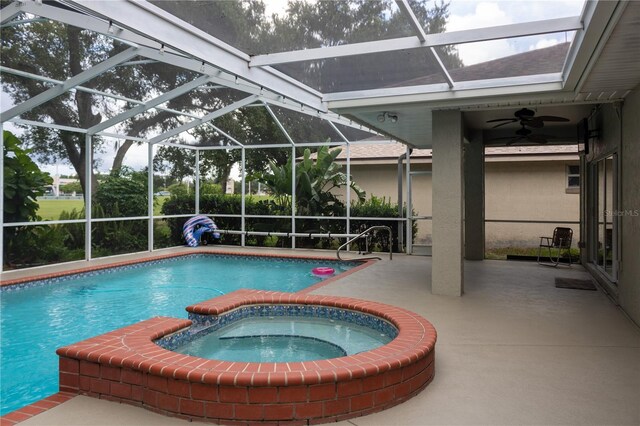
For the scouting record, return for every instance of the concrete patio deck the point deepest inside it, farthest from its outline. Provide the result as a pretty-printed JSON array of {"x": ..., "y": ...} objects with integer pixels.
[{"x": 513, "y": 350}]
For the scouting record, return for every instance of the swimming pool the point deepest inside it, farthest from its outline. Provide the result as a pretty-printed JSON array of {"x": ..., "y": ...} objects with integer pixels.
[{"x": 42, "y": 316}]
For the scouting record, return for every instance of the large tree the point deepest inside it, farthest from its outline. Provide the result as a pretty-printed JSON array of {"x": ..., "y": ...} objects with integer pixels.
[
  {"x": 60, "y": 51},
  {"x": 332, "y": 23}
]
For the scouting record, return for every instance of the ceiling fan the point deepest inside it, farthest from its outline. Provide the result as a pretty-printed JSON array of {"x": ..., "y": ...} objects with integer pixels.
[
  {"x": 526, "y": 118},
  {"x": 522, "y": 135}
]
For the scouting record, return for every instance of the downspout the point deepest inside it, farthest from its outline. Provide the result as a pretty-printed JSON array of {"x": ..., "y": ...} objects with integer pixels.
[{"x": 400, "y": 213}]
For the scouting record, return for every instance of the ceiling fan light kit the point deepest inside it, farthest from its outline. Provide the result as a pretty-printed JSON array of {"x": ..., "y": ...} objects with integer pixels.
[{"x": 392, "y": 116}]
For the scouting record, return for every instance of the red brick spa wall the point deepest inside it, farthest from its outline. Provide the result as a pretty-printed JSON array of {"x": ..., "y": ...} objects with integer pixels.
[{"x": 127, "y": 366}]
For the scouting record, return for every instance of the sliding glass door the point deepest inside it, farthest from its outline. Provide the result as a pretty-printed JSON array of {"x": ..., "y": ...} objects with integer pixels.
[{"x": 604, "y": 198}]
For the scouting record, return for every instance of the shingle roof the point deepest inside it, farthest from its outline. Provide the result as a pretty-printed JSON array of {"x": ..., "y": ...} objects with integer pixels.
[
  {"x": 391, "y": 151},
  {"x": 539, "y": 61}
]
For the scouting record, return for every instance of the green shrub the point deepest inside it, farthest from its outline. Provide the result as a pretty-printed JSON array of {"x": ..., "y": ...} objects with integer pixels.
[
  {"x": 23, "y": 182},
  {"x": 122, "y": 194},
  {"x": 231, "y": 204},
  {"x": 376, "y": 207}
]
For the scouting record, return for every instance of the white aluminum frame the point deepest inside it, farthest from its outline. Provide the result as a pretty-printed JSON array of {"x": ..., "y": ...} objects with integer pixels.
[
  {"x": 414, "y": 42},
  {"x": 76, "y": 80},
  {"x": 156, "y": 35},
  {"x": 169, "y": 31}
]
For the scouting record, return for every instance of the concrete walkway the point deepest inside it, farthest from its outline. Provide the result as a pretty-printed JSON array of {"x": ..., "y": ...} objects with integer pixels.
[{"x": 513, "y": 350}]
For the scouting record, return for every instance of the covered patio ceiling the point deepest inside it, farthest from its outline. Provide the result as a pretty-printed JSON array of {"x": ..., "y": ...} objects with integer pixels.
[{"x": 345, "y": 87}]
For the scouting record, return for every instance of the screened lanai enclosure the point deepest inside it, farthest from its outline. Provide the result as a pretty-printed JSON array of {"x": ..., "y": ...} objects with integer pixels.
[{"x": 146, "y": 113}]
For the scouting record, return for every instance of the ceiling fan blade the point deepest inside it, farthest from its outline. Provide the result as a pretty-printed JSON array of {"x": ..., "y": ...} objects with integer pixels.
[
  {"x": 502, "y": 138},
  {"x": 495, "y": 120},
  {"x": 506, "y": 122},
  {"x": 535, "y": 122},
  {"x": 551, "y": 118}
]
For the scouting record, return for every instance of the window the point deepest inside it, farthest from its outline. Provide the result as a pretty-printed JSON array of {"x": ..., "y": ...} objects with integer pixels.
[
  {"x": 573, "y": 179},
  {"x": 573, "y": 176}
]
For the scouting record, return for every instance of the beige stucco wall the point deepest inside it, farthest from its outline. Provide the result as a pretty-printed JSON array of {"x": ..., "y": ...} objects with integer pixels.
[
  {"x": 524, "y": 190},
  {"x": 629, "y": 279},
  {"x": 381, "y": 180},
  {"x": 529, "y": 191}
]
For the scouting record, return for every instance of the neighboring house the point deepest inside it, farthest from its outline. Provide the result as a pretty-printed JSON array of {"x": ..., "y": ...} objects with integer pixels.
[{"x": 522, "y": 183}]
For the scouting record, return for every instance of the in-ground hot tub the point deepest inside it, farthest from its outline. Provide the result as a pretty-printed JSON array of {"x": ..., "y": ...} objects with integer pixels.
[
  {"x": 281, "y": 333},
  {"x": 135, "y": 364}
]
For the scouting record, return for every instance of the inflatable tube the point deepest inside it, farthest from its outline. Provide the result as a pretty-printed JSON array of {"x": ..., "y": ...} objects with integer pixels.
[
  {"x": 323, "y": 271},
  {"x": 196, "y": 226}
]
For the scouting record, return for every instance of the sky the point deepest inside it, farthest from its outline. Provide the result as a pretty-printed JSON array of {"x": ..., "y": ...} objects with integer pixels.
[
  {"x": 464, "y": 14},
  {"x": 468, "y": 14}
]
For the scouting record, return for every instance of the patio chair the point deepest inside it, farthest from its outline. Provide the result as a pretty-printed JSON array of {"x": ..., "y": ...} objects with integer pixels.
[{"x": 561, "y": 240}]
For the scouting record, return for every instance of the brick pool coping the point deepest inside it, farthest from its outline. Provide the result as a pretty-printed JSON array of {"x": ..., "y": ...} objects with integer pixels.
[
  {"x": 125, "y": 365},
  {"x": 28, "y": 411}
]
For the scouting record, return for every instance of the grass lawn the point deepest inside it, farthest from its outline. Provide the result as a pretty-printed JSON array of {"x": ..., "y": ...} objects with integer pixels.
[
  {"x": 51, "y": 209},
  {"x": 500, "y": 253}
]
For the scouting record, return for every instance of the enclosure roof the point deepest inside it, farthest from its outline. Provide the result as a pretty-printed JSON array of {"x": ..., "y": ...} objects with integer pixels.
[
  {"x": 541, "y": 61},
  {"x": 340, "y": 63}
]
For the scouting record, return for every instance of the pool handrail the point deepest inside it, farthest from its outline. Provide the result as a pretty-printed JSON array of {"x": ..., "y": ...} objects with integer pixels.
[
  {"x": 354, "y": 237},
  {"x": 366, "y": 233}
]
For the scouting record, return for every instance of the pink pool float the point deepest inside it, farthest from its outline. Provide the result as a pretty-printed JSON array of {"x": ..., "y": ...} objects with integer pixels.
[{"x": 323, "y": 271}]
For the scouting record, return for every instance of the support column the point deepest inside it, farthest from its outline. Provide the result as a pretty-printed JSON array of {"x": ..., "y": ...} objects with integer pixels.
[
  {"x": 196, "y": 183},
  {"x": 2, "y": 200},
  {"x": 447, "y": 272},
  {"x": 88, "y": 197},
  {"x": 474, "y": 199},
  {"x": 150, "y": 196}
]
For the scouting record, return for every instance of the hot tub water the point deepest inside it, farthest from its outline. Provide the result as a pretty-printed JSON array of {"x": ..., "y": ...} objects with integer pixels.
[{"x": 285, "y": 339}]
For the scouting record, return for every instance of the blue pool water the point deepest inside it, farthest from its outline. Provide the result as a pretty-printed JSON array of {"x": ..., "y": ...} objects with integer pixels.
[
  {"x": 282, "y": 339},
  {"x": 35, "y": 321}
]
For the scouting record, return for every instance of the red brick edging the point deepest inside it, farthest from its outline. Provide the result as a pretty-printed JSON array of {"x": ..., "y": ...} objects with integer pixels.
[
  {"x": 125, "y": 365},
  {"x": 34, "y": 409}
]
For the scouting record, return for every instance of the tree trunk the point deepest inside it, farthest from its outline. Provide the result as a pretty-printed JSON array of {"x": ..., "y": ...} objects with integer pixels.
[
  {"x": 136, "y": 129},
  {"x": 222, "y": 175},
  {"x": 119, "y": 158}
]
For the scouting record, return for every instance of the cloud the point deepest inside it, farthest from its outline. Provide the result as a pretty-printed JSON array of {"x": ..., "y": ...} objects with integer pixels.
[
  {"x": 545, "y": 42},
  {"x": 467, "y": 15},
  {"x": 275, "y": 7},
  {"x": 485, "y": 14}
]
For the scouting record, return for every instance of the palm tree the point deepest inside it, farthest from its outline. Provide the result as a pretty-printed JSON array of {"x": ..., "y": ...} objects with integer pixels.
[{"x": 315, "y": 180}]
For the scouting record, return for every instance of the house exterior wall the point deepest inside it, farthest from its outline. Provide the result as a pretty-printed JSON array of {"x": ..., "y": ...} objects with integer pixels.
[
  {"x": 617, "y": 139},
  {"x": 515, "y": 190},
  {"x": 629, "y": 278},
  {"x": 528, "y": 191},
  {"x": 381, "y": 180}
]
